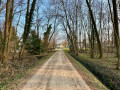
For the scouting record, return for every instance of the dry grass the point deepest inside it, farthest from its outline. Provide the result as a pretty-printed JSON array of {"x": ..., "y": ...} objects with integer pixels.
[{"x": 12, "y": 71}]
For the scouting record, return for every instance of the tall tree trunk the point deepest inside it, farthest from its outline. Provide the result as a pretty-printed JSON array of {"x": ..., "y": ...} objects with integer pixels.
[
  {"x": 108, "y": 33},
  {"x": 29, "y": 17},
  {"x": 92, "y": 41},
  {"x": 114, "y": 40},
  {"x": 4, "y": 50},
  {"x": 85, "y": 40},
  {"x": 25, "y": 27},
  {"x": 101, "y": 15},
  {"x": 116, "y": 31},
  {"x": 91, "y": 38},
  {"x": 38, "y": 21},
  {"x": 10, "y": 25},
  {"x": 76, "y": 32},
  {"x": 96, "y": 32},
  {"x": 80, "y": 40}
]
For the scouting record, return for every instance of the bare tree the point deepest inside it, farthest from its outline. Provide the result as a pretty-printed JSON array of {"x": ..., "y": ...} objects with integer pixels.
[
  {"x": 95, "y": 30},
  {"x": 28, "y": 22},
  {"x": 116, "y": 31},
  {"x": 5, "y": 41}
]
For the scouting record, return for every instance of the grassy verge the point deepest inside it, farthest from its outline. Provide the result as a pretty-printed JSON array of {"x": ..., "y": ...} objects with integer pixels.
[
  {"x": 90, "y": 79},
  {"x": 21, "y": 70},
  {"x": 104, "y": 69}
]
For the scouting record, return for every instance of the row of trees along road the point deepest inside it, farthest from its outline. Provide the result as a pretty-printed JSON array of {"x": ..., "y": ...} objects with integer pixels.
[
  {"x": 91, "y": 26},
  {"x": 11, "y": 44}
]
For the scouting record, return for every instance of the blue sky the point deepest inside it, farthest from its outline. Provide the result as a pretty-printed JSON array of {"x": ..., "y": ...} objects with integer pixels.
[{"x": 41, "y": 15}]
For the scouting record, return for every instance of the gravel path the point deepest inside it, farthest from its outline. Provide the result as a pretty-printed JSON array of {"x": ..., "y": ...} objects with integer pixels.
[{"x": 56, "y": 74}]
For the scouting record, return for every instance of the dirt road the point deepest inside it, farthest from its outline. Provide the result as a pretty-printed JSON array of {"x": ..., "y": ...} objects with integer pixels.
[{"x": 56, "y": 74}]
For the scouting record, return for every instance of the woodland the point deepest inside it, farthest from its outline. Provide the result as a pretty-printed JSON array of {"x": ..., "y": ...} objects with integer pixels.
[{"x": 33, "y": 28}]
